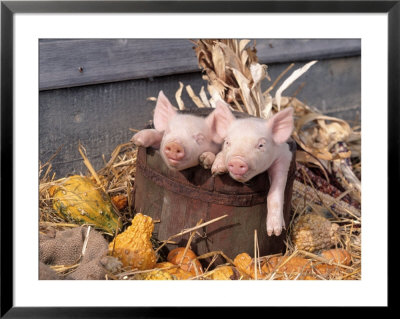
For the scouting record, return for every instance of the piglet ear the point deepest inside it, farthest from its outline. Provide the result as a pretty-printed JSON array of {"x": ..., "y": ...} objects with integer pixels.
[
  {"x": 281, "y": 125},
  {"x": 163, "y": 112},
  {"x": 219, "y": 121}
]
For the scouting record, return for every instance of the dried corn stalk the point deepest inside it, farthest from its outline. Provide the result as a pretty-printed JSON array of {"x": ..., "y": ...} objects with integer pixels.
[{"x": 233, "y": 74}]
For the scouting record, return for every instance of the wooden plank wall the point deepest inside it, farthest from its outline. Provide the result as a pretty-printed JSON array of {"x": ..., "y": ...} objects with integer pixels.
[{"x": 77, "y": 62}]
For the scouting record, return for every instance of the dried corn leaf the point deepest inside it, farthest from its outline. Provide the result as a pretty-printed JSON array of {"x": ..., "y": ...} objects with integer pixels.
[
  {"x": 216, "y": 84},
  {"x": 178, "y": 98},
  {"x": 263, "y": 105},
  {"x": 194, "y": 97},
  {"x": 321, "y": 136},
  {"x": 218, "y": 62},
  {"x": 319, "y": 153},
  {"x": 244, "y": 56},
  {"x": 266, "y": 109},
  {"x": 278, "y": 79},
  {"x": 245, "y": 92},
  {"x": 203, "y": 51},
  {"x": 233, "y": 61},
  {"x": 215, "y": 95},
  {"x": 243, "y": 44},
  {"x": 204, "y": 98},
  {"x": 293, "y": 77},
  {"x": 252, "y": 52},
  {"x": 241, "y": 82},
  {"x": 237, "y": 104},
  {"x": 258, "y": 73}
]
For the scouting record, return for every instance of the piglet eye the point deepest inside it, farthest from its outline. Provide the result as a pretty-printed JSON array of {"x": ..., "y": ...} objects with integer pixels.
[
  {"x": 226, "y": 142},
  {"x": 261, "y": 144},
  {"x": 199, "y": 138}
]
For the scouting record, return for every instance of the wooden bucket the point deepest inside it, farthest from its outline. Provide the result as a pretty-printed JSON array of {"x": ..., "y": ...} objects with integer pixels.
[{"x": 180, "y": 199}]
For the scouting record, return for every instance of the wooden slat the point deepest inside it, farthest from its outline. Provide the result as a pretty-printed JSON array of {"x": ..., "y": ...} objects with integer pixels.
[
  {"x": 78, "y": 62},
  {"x": 295, "y": 50},
  {"x": 66, "y": 63}
]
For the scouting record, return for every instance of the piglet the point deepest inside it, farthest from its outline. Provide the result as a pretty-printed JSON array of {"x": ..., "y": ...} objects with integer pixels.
[
  {"x": 181, "y": 138},
  {"x": 252, "y": 146}
]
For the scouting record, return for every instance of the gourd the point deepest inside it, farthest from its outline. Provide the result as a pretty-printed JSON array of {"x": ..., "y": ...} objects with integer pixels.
[
  {"x": 314, "y": 232},
  {"x": 165, "y": 271},
  {"x": 245, "y": 264},
  {"x": 298, "y": 265},
  {"x": 133, "y": 247},
  {"x": 225, "y": 273},
  {"x": 156, "y": 274},
  {"x": 338, "y": 255},
  {"x": 293, "y": 265},
  {"x": 302, "y": 268},
  {"x": 189, "y": 262},
  {"x": 177, "y": 272},
  {"x": 77, "y": 199},
  {"x": 120, "y": 201}
]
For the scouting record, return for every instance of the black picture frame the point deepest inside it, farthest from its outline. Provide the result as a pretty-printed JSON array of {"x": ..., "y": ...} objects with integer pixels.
[{"x": 9, "y": 8}]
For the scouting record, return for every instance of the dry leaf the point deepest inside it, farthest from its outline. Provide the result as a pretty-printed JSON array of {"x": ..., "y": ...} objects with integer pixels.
[
  {"x": 245, "y": 92},
  {"x": 204, "y": 98},
  {"x": 218, "y": 62},
  {"x": 242, "y": 44},
  {"x": 178, "y": 97},
  {"x": 293, "y": 77},
  {"x": 194, "y": 97}
]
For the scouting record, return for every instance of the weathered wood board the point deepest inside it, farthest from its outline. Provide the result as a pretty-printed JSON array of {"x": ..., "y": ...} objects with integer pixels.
[{"x": 76, "y": 62}]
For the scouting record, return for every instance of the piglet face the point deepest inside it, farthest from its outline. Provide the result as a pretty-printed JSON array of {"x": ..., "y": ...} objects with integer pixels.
[
  {"x": 248, "y": 149},
  {"x": 252, "y": 145},
  {"x": 186, "y": 137}
]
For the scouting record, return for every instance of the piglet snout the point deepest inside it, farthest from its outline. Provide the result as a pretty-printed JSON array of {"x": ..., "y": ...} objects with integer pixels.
[
  {"x": 237, "y": 167},
  {"x": 174, "y": 151}
]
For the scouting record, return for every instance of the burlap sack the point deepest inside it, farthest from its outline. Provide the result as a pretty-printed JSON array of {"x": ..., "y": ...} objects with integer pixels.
[{"x": 65, "y": 248}]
